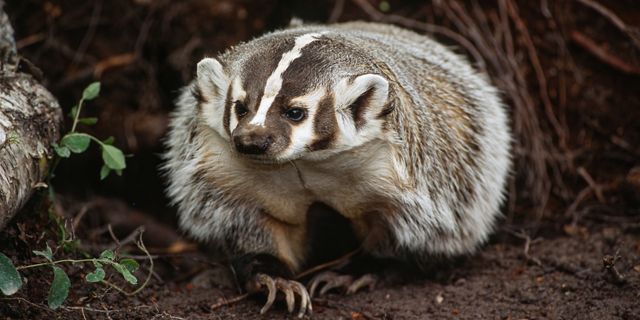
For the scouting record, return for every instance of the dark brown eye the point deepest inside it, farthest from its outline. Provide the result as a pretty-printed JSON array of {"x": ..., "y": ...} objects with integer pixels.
[
  {"x": 241, "y": 109},
  {"x": 295, "y": 114}
]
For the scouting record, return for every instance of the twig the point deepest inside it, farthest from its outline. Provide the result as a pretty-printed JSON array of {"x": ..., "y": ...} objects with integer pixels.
[
  {"x": 88, "y": 36},
  {"x": 427, "y": 27},
  {"x": 96, "y": 70},
  {"x": 609, "y": 264},
  {"x": 226, "y": 302},
  {"x": 527, "y": 245},
  {"x": 537, "y": 67},
  {"x": 327, "y": 265},
  {"x": 79, "y": 216},
  {"x": 112, "y": 62},
  {"x": 103, "y": 310},
  {"x": 497, "y": 48},
  {"x": 336, "y": 12},
  {"x": 144, "y": 32},
  {"x": 602, "y": 54},
  {"x": 113, "y": 236},
  {"x": 128, "y": 239},
  {"x": 616, "y": 140},
  {"x": 56, "y": 262},
  {"x": 29, "y": 40},
  {"x": 633, "y": 33},
  {"x": 592, "y": 184},
  {"x": 582, "y": 195},
  {"x": 143, "y": 248},
  {"x": 42, "y": 307}
]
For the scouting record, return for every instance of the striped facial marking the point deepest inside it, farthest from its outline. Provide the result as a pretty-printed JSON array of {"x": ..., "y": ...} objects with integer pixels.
[
  {"x": 237, "y": 93},
  {"x": 303, "y": 135},
  {"x": 274, "y": 82}
]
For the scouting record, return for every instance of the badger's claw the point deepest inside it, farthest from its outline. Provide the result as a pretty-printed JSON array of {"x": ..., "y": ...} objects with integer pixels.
[
  {"x": 288, "y": 287},
  {"x": 334, "y": 280},
  {"x": 330, "y": 280},
  {"x": 368, "y": 280}
]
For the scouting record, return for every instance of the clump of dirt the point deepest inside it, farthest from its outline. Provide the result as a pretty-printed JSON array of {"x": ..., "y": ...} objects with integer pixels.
[{"x": 568, "y": 248}]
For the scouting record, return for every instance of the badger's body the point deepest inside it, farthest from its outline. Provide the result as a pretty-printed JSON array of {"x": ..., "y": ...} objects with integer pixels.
[{"x": 399, "y": 135}]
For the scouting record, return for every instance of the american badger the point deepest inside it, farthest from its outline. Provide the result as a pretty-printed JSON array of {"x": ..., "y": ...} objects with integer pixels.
[{"x": 390, "y": 129}]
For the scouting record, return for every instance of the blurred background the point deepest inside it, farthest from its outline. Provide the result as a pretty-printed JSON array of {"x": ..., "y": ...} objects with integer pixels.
[{"x": 569, "y": 71}]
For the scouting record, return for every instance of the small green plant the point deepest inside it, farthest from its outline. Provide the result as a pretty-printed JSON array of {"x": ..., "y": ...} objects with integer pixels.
[
  {"x": 10, "y": 280},
  {"x": 78, "y": 142},
  {"x": 113, "y": 160}
]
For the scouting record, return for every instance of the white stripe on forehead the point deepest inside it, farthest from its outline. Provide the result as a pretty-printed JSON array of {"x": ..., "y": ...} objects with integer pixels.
[{"x": 274, "y": 82}]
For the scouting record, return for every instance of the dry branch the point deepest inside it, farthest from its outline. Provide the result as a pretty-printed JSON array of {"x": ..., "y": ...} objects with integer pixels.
[
  {"x": 29, "y": 123},
  {"x": 603, "y": 54}
]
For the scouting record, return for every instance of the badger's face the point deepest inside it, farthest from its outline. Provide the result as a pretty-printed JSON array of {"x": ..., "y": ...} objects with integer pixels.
[{"x": 282, "y": 104}]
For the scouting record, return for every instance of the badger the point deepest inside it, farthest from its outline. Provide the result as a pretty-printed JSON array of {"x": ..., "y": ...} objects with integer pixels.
[{"x": 390, "y": 129}]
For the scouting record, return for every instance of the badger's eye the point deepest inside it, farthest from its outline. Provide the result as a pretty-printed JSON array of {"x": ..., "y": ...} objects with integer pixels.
[
  {"x": 241, "y": 109},
  {"x": 295, "y": 114}
]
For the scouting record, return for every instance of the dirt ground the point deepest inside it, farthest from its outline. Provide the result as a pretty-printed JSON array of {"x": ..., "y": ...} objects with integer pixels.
[
  {"x": 562, "y": 276},
  {"x": 568, "y": 247}
]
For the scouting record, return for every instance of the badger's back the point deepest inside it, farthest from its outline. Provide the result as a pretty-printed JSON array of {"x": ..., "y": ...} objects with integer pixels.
[{"x": 453, "y": 137}]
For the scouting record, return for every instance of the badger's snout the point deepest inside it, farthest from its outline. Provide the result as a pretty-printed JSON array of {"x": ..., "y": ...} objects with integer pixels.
[{"x": 254, "y": 140}]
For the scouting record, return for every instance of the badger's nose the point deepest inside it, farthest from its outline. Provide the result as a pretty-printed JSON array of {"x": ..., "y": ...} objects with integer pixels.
[{"x": 252, "y": 143}]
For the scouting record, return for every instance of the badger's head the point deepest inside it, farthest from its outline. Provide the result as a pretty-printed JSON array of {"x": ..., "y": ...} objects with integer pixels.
[{"x": 278, "y": 99}]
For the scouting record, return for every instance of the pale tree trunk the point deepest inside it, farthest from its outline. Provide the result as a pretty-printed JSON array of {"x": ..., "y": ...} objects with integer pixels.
[{"x": 30, "y": 119}]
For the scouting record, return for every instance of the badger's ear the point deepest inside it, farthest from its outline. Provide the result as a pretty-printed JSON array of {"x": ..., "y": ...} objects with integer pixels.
[
  {"x": 211, "y": 78},
  {"x": 364, "y": 98},
  {"x": 211, "y": 86}
]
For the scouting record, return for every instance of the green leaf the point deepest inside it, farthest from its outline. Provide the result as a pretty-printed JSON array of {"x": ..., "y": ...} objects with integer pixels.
[
  {"x": 73, "y": 111},
  {"x": 95, "y": 276},
  {"x": 113, "y": 157},
  {"x": 70, "y": 245},
  {"x": 130, "y": 264},
  {"x": 10, "y": 280},
  {"x": 109, "y": 140},
  {"x": 46, "y": 253},
  {"x": 88, "y": 121},
  {"x": 384, "y": 6},
  {"x": 59, "y": 288},
  {"x": 126, "y": 274},
  {"x": 62, "y": 151},
  {"x": 76, "y": 142},
  {"x": 108, "y": 254},
  {"x": 104, "y": 172},
  {"x": 91, "y": 91}
]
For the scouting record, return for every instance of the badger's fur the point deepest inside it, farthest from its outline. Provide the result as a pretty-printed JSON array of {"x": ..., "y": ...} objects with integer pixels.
[{"x": 398, "y": 134}]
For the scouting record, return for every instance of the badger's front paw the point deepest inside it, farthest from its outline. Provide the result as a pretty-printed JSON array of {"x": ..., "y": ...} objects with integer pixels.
[
  {"x": 271, "y": 286},
  {"x": 332, "y": 280}
]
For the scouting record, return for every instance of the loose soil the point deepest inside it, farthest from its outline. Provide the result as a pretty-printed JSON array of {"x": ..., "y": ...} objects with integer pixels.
[{"x": 575, "y": 256}]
